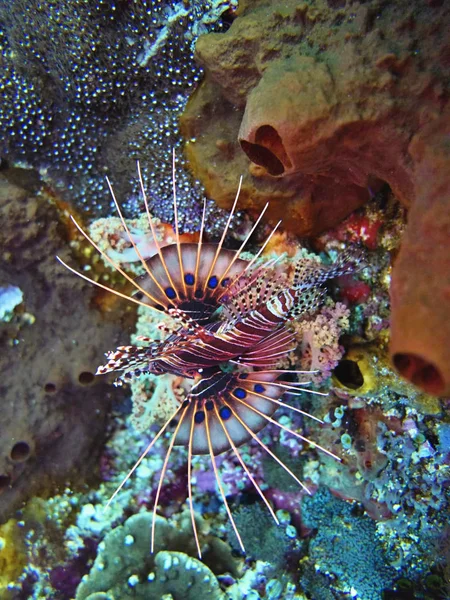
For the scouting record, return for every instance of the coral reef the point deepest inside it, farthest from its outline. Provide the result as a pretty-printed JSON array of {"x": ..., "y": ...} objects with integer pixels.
[
  {"x": 319, "y": 348},
  {"x": 53, "y": 411},
  {"x": 326, "y": 97},
  {"x": 79, "y": 106},
  {"x": 263, "y": 538},
  {"x": 329, "y": 101}
]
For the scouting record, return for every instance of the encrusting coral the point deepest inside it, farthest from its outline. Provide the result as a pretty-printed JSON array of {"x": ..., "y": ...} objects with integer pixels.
[
  {"x": 125, "y": 568},
  {"x": 346, "y": 546},
  {"x": 327, "y": 102},
  {"x": 12, "y": 555}
]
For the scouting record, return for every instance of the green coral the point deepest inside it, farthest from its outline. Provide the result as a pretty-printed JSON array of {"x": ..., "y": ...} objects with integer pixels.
[
  {"x": 262, "y": 537},
  {"x": 125, "y": 569}
]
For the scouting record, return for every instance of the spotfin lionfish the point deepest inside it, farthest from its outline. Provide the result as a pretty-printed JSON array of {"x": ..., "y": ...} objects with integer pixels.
[{"x": 230, "y": 329}]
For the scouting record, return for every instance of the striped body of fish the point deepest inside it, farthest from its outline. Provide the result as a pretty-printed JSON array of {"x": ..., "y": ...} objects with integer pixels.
[{"x": 230, "y": 329}]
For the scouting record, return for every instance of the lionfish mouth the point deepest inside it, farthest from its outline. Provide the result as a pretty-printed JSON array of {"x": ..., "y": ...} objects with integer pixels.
[{"x": 232, "y": 354}]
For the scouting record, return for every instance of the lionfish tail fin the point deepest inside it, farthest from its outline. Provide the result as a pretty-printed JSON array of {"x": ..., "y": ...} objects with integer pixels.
[
  {"x": 309, "y": 274},
  {"x": 132, "y": 360},
  {"x": 349, "y": 261}
]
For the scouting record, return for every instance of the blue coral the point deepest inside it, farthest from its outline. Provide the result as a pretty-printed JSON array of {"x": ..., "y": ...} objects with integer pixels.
[{"x": 346, "y": 546}]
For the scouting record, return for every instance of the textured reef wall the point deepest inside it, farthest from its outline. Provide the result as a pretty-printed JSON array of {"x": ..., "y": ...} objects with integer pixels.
[
  {"x": 328, "y": 101},
  {"x": 53, "y": 410}
]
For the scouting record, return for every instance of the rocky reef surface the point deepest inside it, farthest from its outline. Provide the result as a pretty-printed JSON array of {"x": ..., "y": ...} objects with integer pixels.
[{"x": 53, "y": 408}]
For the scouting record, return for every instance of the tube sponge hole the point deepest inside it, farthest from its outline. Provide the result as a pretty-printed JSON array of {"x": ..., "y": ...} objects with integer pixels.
[
  {"x": 50, "y": 388},
  {"x": 420, "y": 372},
  {"x": 20, "y": 452},
  {"x": 86, "y": 377},
  {"x": 349, "y": 374},
  {"x": 267, "y": 151}
]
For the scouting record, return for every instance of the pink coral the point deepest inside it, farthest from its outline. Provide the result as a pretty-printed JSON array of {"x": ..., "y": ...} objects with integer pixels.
[{"x": 320, "y": 346}]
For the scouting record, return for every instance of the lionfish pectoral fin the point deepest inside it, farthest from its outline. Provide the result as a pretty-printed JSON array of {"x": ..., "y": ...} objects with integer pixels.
[
  {"x": 215, "y": 396},
  {"x": 219, "y": 483},
  {"x": 180, "y": 287},
  {"x": 184, "y": 408}
]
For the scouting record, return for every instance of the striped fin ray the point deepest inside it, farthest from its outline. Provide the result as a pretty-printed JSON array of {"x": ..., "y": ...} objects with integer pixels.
[
  {"x": 143, "y": 298},
  {"x": 191, "y": 285},
  {"x": 267, "y": 352},
  {"x": 185, "y": 408},
  {"x": 246, "y": 469},
  {"x": 249, "y": 403},
  {"x": 125, "y": 358},
  {"x": 253, "y": 435},
  {"x": 130, "y": 237},
  {"x": 219, "y": 482},
  {"x": 214, "y": 391},
  {"x": 143, "y": 455},
  {"x": 177, "y": 230}
]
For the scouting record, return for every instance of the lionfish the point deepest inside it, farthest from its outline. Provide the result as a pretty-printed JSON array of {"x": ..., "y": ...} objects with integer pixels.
[{"x": 231, "y": 328}]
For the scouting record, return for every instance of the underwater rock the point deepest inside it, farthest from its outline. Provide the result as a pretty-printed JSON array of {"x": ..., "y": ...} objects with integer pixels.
[
  {"x": 53, "y": 410},
  {"x": 325, "y": 104}
]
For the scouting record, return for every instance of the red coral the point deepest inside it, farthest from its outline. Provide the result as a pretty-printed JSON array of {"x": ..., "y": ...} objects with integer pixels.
[{"x": 353, "y": 291}]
